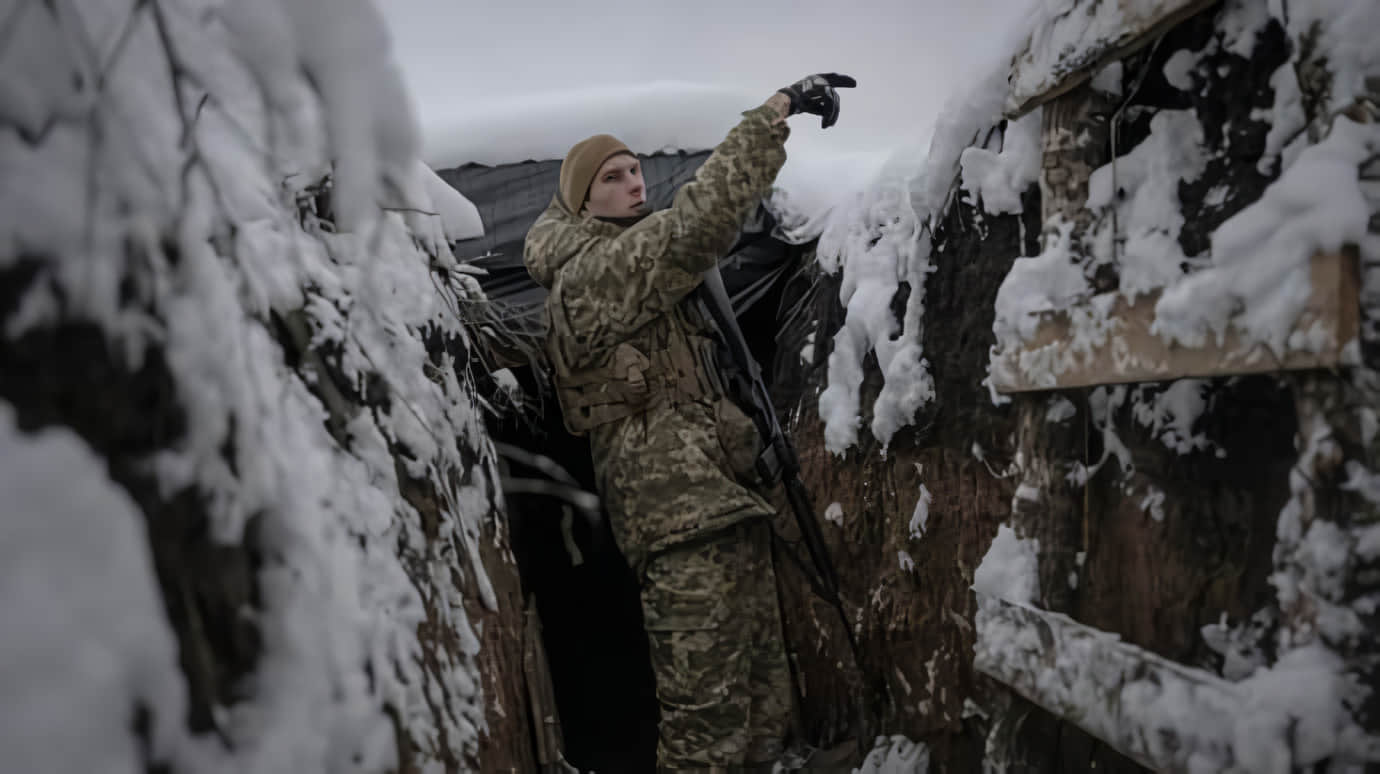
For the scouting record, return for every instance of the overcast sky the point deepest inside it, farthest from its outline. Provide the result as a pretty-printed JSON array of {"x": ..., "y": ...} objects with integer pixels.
[{"x": 907, "y": 55}]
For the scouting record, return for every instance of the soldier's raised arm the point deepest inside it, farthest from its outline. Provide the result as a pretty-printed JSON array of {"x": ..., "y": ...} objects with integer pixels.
[
  {"x": 611, "y": 285},
  {"x": 708, "y": 212}
]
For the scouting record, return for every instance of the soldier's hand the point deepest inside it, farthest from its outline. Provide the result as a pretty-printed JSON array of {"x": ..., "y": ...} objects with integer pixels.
[{"x": 816, "y": 94}]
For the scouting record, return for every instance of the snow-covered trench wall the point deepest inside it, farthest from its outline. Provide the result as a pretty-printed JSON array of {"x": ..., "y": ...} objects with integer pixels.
[
  {"x": 1224, "y": 526},
  {"x": 249, "y": 506}
]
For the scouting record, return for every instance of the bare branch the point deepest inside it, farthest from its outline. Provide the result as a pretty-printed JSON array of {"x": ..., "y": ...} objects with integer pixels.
[
  {"x": 538, "y": 461},
  {"x": 587, "y": 502},
  {"x": 409, "y": 209}
]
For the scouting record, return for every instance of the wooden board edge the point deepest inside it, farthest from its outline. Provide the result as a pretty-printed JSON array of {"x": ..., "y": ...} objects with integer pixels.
[
  {"x": 1081, "y": 674},
  {"x": 1336, "y": 289},
  {"x": 1083, "y": 72}
]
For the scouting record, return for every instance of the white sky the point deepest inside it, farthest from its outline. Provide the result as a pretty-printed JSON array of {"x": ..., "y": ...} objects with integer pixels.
[{"x": 459, "y": 55}]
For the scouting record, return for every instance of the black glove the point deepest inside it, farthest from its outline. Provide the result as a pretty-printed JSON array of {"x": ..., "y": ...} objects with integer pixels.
[{"x": 815, "y": 94}]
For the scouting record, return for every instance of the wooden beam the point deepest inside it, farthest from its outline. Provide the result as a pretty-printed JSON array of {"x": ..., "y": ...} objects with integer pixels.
[
  {"x": 1164, "y": 715},
  {"x": 1070, "y": 48},
  {"x": 1129, "y": 352}
]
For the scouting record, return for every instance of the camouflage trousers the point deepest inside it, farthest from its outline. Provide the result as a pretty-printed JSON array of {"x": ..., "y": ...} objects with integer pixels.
[{"x": 714, "y": 626}]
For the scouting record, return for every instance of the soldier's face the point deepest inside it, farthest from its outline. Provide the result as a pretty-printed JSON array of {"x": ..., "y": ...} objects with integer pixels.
[{"x": 618, "y": 190}]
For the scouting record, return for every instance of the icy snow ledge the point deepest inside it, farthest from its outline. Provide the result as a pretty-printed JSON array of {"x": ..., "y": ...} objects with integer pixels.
[
  {"x": 459, "y": 217},
  {"x": 1071, "y": 39},
  {"x": 1164, "y": 715},
  {"x": 884, "y": 237}
]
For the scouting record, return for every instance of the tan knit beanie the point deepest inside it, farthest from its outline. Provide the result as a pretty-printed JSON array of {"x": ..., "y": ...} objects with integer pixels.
[{"x": 582, "y": 164}]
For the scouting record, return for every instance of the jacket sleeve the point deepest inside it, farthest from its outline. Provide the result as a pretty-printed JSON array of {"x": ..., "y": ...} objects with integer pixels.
[{"x": 618, "y": 285}]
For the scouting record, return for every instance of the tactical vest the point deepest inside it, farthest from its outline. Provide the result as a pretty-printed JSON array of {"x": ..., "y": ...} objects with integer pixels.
[{"x": 668, "y": 361}]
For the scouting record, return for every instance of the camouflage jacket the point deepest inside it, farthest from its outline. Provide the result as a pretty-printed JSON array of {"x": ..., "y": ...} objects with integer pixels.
[{"x": 631, "y": 356}]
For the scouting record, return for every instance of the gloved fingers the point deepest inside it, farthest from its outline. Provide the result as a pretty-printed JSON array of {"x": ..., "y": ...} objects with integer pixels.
[
  {"x": 832, "y": 116},
  {"x": 815, "y": 94}
]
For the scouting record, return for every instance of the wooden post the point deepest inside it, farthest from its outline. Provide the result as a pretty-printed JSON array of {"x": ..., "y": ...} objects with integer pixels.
[
  {"x": 1321, "y": 599},
  {"x": 1339, "y": 450},
  {"x": 1048, "y": 506},
  {"x": 1050, "y": 439}
]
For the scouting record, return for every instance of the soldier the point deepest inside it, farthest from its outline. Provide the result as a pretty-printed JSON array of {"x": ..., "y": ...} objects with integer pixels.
[{"x": 634, "y": 368}]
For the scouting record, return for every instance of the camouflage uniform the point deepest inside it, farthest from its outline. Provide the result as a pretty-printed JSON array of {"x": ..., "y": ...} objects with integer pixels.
[{"x": 633, "y": 364}]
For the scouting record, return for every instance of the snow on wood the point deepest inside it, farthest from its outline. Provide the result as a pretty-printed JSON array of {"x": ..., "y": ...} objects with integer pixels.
[
  {"x": 1164, "y": 715},
  {"x": 1075, "y": 38},
  {"x": 1109, "y": 340}
]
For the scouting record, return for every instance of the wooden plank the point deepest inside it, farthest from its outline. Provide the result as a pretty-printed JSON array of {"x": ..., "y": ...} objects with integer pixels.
[
  {"x": 1164, "y": 715},
  {"x": 1071, "y": 47},
  {"x": 1129, "y": 352}
]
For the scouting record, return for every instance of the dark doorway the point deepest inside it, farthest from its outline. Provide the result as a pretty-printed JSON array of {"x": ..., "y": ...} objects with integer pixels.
[{"x": 587, "y": 600}]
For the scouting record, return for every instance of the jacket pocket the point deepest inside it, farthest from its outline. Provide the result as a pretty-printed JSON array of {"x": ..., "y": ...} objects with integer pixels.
[{"x": 739, "y": 440}]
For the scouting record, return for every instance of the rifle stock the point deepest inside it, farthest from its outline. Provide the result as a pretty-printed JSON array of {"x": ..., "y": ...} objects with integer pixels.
[{"x": 778, "y": 460}]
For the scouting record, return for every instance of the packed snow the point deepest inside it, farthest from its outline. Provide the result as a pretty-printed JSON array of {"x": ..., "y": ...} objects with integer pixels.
[
  {"x": 1260, "y": 257},
  {"x": 1067, "y": 37},
  {"x": 1169, "y": 716},
  {"x": 881, "y": 239},
  {"x": 86, "y": 640},
  {"x": 896, "y": 754},
  {"x": 1010, "y": 568},
  {"x": 161, "y": 170},
  {"x": 1178, "y": 71},
  {"x": 998, "y": 179},
  {"x": 1143, "y": 187},
  {"x": 920, "y": 517}
]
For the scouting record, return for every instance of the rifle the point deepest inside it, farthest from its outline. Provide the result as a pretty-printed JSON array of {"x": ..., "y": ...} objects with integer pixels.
[{"x": 778, "y": 460}]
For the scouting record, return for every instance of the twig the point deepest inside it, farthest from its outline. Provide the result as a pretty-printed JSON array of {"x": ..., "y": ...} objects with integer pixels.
[
  {"x": 533, "y": 460},
  {"x": 587, "y": 502},
  {"x": 1116, "y": 134},
  {"x": 409, "y": 209}
]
